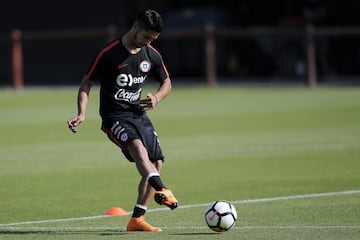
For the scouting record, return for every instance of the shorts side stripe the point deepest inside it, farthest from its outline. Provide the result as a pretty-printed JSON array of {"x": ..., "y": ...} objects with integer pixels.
[{"x": 112, "y": 137}]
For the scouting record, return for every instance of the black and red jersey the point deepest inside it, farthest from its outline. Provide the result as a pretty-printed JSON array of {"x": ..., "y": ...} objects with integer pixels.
[{"x": 122, "y": 75}]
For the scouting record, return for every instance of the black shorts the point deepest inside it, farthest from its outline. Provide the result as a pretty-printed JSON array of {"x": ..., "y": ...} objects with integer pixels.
[{"x": 123, "y": 130}]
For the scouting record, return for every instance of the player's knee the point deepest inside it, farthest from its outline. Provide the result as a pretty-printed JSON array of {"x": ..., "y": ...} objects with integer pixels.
[{"x": 137, "y": 150}]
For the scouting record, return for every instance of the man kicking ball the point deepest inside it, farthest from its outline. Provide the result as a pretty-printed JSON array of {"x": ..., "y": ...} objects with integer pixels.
[{"x": 121, "y": 68}]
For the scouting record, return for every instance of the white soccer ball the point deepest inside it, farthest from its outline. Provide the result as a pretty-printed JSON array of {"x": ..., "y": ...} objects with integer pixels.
[{"x": 220, "y": 216}]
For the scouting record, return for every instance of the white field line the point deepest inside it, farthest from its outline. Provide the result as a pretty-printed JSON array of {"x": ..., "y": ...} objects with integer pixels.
[
  {"x": 315, "y": 195},
  {"x": 119, "y": 229}
]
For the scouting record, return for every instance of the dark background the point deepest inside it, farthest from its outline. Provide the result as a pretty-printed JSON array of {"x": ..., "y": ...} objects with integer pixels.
[
  {"x": 63, "y": 61},
  {"x": 42, "y": 14}
]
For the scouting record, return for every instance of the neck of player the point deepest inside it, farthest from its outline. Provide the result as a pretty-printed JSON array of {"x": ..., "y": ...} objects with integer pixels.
[{"x": 128, "y": 44}]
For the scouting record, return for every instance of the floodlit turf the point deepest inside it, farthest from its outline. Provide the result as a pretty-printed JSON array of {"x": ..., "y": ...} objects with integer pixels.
[{"x": 252, "y": 146}]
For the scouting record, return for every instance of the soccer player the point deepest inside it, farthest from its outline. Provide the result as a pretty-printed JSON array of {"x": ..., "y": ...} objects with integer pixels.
[{"x": 121, "y": 68}]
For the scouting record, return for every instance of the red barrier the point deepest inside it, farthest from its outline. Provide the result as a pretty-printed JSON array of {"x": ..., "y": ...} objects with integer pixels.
[
  {"x": 210, "y": 35},
  {"x": 17, "y": 60}
]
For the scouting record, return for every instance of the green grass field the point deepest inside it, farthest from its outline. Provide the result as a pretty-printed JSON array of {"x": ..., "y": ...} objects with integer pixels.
[{"x": 288, "y": 158}]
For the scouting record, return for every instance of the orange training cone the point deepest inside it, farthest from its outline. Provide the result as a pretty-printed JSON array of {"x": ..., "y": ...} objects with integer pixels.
[{"x": 116, "y": 211}]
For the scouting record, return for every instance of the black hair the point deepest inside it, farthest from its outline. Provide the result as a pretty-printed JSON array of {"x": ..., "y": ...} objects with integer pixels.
[{"x": 150, "y": 20}]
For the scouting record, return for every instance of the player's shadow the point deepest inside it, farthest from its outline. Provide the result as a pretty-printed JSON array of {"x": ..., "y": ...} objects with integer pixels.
[
  {"x": 62, "y": 232},
  {"x": 194, "y": 234}
]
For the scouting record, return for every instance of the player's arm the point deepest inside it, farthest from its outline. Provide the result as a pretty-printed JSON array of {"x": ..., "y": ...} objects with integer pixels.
[
  {"x": 163, "y": 91},
  {"x": 82, "y": 101},
  {"x": 154, "y": 99}
]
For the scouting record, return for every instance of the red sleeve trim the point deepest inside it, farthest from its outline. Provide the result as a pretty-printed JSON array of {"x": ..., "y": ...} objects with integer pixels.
[
  {"x": 162, "y": 62},
  {"x": 98, "y": 57}
]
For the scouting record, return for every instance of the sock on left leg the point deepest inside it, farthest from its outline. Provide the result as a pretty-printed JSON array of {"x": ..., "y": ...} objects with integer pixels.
[{"x": 139, "y": 210}]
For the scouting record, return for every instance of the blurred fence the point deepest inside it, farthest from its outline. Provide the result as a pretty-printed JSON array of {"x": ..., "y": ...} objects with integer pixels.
[{"x": 306, "y": 55}]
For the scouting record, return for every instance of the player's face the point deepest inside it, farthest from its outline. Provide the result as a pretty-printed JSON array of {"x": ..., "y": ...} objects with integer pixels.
[{"x": 143, "y": 38}]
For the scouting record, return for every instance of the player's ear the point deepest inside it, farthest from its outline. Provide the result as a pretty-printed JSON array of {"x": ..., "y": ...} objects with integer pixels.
[{"x": 136, "y": 26}]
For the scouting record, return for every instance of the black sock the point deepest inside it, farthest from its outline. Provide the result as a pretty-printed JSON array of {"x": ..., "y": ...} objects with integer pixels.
[
  {"x": 138, "y": 212},
  {"x": 156, "y": 183}
]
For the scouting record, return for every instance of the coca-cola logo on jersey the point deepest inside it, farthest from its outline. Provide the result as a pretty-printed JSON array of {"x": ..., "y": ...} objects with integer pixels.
[
  {"x": 127, "y": 80},
  {"x": 128, "y": 96}
]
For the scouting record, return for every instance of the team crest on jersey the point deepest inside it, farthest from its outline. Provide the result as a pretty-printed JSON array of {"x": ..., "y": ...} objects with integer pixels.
[{"x": 145, "y": 66}]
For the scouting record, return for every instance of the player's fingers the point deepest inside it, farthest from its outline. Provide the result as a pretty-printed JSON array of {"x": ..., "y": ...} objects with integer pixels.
[
  {"x": 145, "y": 101},
  {"x": 72, "y": 123},
  {"x": 151, "y": 97},
  {"x": 146, "y": 107},
  {"x": 143, "y": 104},
  {"x": 73, "y": 129}
]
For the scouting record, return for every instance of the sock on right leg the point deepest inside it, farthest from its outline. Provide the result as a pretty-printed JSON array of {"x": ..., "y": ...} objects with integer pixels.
[{"x": 155, "y": 181}]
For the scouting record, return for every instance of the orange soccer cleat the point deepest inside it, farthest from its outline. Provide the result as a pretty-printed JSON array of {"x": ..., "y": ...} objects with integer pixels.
[
  {"x": 139, "y": 224},
  {"x": 166, "y": 197}
]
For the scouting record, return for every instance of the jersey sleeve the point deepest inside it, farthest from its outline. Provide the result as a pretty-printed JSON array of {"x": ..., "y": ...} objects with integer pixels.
[
  {"x": 97, "y": 64},
  {"x": 93, "y": 73},
  {"x": 159, "y": 70}
]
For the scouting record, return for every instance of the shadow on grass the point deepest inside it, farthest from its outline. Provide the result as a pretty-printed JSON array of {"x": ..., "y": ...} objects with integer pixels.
[
  {"x": 194, "y": 234},
  {"x": 62, "y": 232}
]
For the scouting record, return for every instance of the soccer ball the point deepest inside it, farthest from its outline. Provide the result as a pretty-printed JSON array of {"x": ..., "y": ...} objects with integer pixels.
[{"x": 220, "y": 216}]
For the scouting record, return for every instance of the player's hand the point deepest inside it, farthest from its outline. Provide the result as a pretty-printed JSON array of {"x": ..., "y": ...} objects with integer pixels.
[
  {"x": 74, "y": 122},
  {"x": 149, "y": 102}
]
